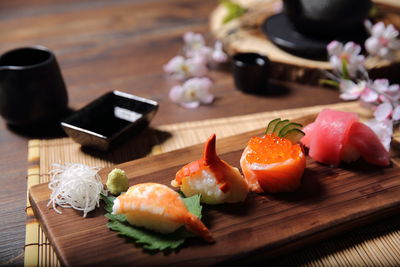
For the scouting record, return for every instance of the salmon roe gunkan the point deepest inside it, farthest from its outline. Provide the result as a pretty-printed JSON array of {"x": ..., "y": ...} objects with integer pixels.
[{"x": 271, "y": 149}]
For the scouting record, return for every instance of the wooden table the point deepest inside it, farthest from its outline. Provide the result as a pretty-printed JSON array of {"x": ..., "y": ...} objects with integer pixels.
[{"x": 121, "y": 44}]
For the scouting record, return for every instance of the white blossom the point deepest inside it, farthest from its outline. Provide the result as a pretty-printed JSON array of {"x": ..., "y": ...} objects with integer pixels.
[
  {"x": 383, "y": 41},
  {"x": 383, "y": 111},
  {"x": 349, "y": 54},
  {"x": 195, "y": 46},
  {"x": 351, "y": 90},
  {"x": 386, "y": 90},
  {"x": 192, "y": 93},
  {"x": 180, "y": 68},
  {"x": 383, "y": 129},
  {"x": 218, "y": 55}
]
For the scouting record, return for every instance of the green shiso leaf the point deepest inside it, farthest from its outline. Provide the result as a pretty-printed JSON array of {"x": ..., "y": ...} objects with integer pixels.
[
  {"x": 234, "y": 10},
  {"x": 148, "y": 239},
  {"x": 108, "y": 201}
]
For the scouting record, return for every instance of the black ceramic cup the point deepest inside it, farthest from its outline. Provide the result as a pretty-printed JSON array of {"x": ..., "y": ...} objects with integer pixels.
[
  {"x": 250, "y": 72},
  {"x": 32, "y": 89}
]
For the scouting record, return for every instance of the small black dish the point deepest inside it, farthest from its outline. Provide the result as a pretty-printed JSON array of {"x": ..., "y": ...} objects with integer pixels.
[
  {"x": 109, "y": 119},
  {"x": 250, "y": 72}
]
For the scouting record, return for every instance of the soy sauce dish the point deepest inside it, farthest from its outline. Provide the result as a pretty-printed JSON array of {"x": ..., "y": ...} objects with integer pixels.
[{"x": 109, "y": 120}]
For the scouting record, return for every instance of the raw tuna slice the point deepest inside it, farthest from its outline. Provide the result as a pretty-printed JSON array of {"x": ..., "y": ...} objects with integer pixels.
[
  {"x": 328, "y": 134},
  {"x": 309, "y": 129},
  {"x": 365, "y": 141}
]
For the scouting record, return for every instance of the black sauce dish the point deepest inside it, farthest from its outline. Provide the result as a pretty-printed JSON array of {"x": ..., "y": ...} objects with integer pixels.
[{"x": 109, "y": 120}]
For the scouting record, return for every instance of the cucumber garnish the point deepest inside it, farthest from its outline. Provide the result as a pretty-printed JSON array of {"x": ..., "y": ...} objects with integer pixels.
[
  {"x": 294, "y": 135},
  {"x": 288, "y": 127},
  {"x": 271, "y": 126},
  {"x": 279, "y": 126}
]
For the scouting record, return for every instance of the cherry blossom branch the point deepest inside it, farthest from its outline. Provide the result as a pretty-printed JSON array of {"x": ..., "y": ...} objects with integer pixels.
[{"x": 351, "y": 76}]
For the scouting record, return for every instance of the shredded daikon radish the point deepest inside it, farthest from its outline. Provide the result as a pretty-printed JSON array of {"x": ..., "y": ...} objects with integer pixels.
[{"x": 76, "y": 186}]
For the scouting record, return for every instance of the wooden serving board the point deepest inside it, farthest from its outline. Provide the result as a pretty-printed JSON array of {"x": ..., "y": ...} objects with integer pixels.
[{"x": 329, "y": 201}]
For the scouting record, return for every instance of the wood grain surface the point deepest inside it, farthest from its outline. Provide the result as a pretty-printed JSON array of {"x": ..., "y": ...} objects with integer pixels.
[
  {"x": 103, "y": 45},
  {"x": 329, "y": 201}
]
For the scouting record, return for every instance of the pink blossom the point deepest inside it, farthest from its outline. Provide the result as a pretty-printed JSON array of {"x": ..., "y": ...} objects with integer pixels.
[
  {"x": 218, "y": 55},
  {"x": 383, "y": 129},
  {"x": 383, "y": 111},
  {"x": 195, "y": 46},
  {"x": 386, "y": 90},
  {"x": 350, "y": 90},
  {"x": 349, "y": 53},
  {"x": 192, "y": 93},
  {"x": 180, "y": 68},
  {"x": 396, "y": 113},
  {"x": 383, "y": 41}
]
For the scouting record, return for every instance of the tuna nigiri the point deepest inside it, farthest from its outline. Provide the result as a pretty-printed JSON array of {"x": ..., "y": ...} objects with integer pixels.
[
  {"x": 337, "y": 136},
  {"x": 214, "y": 179},
  {"x": 158, "y": 208},
  {"x": 272, "y": 163}
]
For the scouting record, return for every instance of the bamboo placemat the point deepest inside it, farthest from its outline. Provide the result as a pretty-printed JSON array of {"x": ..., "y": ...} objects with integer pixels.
[{"x": 374, "y": 245}]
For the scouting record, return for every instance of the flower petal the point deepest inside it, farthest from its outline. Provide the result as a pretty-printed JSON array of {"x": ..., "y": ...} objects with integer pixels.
[
  {"x": 175, "y": 94},
  {"x": 334, "y": 48},
  {"x": 383, "y": 129},
  {"x": 372, "y": 45},
  {"x": 396, "y": 113},
  {"x": 377, "y": 29},
  {"x": 383, "y": 111},
  {"x": 369, "y": 95},
  {"x": 352, "y": 48},
  {"x": 193, "y": 104}
]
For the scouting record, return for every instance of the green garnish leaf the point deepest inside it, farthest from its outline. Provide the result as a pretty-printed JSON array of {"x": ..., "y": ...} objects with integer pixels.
[
  {"x": 151, "y": 240},
  {"x": 345, "y": 70},
  {"x": 271, "y": 126},
  {"x": 288, "y": 127},
  {"x": 108, "y": 201},
  {"x": 294, "y": 135},
  {"x": 328, "y": 82},
  {"x": 279, "y": 126},
  {"x": 234, "y": 10},
  {"x": 193, "y": 205}
]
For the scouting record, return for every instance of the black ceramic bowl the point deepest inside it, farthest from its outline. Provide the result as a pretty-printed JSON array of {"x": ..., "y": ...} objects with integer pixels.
[{"x": 109, "y": 119}]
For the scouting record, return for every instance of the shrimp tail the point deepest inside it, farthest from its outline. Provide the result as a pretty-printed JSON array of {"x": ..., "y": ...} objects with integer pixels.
[
  {"x": 194, "y": 225},
  {"x": 210, "y": 154}
]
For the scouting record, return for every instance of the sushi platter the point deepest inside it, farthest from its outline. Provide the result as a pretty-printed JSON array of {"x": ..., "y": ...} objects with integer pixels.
[{"x": 330, "y": 200}]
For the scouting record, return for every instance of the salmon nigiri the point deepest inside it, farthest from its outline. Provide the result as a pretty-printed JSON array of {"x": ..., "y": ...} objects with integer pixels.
[
  {"x": 214, "y": 179},
  {"x": 273, "y": 163},
  {"x": 158, "y": 208}
]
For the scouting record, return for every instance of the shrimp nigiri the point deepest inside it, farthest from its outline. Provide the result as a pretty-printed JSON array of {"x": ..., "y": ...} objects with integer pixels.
[
  {"x": 274, "y": 163},
  {"x": 158, "y": 208},
  {"x": 215, "y": 180}
]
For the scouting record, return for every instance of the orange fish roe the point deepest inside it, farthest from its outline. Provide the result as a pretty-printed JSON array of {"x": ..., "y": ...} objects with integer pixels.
[{"x": 271, "y": 149}]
